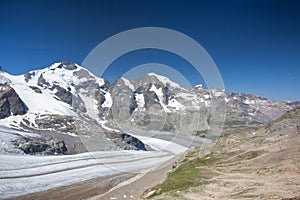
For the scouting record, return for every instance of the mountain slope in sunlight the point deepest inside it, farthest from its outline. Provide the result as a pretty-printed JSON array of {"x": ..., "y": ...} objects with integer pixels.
[{"x": 260, "y": 165}]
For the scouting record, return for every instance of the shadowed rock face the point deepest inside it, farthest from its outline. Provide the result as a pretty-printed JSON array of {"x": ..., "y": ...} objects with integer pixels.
[
  {"x": 41, "y": 146},
  {"x": 10, "y": 102},
  {"x": 126, "y": 142}
]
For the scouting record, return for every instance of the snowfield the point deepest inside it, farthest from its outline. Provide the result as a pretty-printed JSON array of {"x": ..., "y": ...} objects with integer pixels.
[
  {"x": 44, "y": 103},
  {"x": 24, "y": 174}
]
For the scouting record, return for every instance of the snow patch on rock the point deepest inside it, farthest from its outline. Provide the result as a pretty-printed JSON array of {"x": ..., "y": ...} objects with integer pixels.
[
  {"x": 140, "y": 100},
  {"x": 128, "y": 83},
  {"x": 175, "y": 104},
  {"x": 159, "y": 94},
  {"x": 108, "y": 101}
]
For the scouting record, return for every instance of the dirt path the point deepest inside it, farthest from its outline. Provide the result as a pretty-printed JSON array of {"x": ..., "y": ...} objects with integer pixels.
[{"x": 135, "y": 187}]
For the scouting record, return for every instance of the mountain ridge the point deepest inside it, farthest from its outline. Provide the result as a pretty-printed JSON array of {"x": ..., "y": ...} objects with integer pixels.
[
  {"x": 152, "y": 104},
  {"x": 2, "y": 69}
]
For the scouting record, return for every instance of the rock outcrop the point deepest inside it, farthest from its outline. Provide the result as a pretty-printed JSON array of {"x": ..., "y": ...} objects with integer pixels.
[
  {"x": 41, "y": 146},
  {"x": 10, "y": 102}
]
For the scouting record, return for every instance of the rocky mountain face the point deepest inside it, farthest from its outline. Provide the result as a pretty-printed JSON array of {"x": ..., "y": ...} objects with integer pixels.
[
  {"x": 69, "y": 99},
  {"x": 41, "y": 147},
  {"x": 156, "y": 103},
  {"x": 10, "y": 102}
]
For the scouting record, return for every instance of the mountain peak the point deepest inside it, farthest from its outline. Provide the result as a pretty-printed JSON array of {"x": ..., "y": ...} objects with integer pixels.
[
  {"x": 64, "y": 65},
  {"x": 163, "y": 79},
  {"x": 199, "y": 86},
  {"x": 69, "y": 89},
  {"x": 128, "y": 83}
]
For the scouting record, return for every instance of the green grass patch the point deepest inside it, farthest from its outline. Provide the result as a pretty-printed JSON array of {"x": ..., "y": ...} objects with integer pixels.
[
  {"x": 145, "y": 121},
  {"x": 248, "y": 155},
  {"x": 190, "y": 173},
  {"x": 252, "y": 155},
  {"x": 202, "y": 133},
  {"x": 235, "y": 130}
]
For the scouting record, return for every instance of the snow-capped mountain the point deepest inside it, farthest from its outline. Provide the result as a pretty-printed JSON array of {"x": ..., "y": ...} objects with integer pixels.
[
  {"x": 63, "y": 98},
  {"x": 67, "y": 98}
]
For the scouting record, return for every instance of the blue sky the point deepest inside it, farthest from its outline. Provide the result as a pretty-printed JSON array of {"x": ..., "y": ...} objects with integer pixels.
[{"x": 255, "y": 44}]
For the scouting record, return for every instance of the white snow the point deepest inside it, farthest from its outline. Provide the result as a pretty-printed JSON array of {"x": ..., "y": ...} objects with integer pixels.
[
  {"x": 128, "y": 83},
  {"x": 53, "y": 75},
  {"x": 3, "y": 80},
  {"x": 90, "y": 105},
  {"x": 99, "y": 81},
  {"x": 165, "y": 80},
  {"x": 247, "y": 101},
  {"x": 104, "y": 126},
  {"x": 47, "y": 102},
  {"x": 252, "y": 114},
  {"x": 140, "y": 100},
  {"x": 187, "y": 96},
  {"x": 206, "y": 104},
  {"x": 64, "y": 78},
  {"x": 13, "y": 79},
  {"x": 159, "y": 94},
  {"x": 206, "y": 96},
  {"x": 54, "y": 65},
  {"x": 14, "y": 121},
  {"x": 198, "y": 86},
  {"x": 23, "y": 174},
  {"x": 43, "y": 103},
  {"x": 175, "y": 104},
  {"x": 83, "y": 79},
  {"x": 17, "y": 121},
  {"x": 218, "y": 94},
  {"x": 8, "y": 135},
  {"x": 41, "y": 173},
  {"x": 189, "y": 99},
  {"x": 108, "y": 100},
  {"x": 162, "y": 145}
]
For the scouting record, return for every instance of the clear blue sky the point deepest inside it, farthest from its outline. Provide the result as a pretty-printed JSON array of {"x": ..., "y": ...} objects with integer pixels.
[{"x": 255, "y": 44}]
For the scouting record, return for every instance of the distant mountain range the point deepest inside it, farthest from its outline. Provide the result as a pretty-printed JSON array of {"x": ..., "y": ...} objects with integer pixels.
[{"x": 68, "y": 99}]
